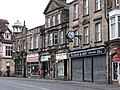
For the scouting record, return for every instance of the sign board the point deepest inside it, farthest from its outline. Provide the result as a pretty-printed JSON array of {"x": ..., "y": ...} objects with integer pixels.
[
  {"x": 44, "y": 58},
  {"x": 61, "y": 56},
  {"x": 89, "y": 52},
  {"x": 32, "y": 58}
]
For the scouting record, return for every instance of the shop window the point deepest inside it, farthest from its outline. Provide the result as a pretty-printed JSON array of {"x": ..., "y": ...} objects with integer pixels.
[{"x": 115, "y": 75}]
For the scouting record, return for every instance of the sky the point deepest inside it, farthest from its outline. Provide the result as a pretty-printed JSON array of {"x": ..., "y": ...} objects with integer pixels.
[{"x": 30, "y": 11}]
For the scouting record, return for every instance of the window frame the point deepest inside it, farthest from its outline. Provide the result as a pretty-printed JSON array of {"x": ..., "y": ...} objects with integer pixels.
[
  {"x": 8, "y": 50},
  {"x": 55, "y": 38},
  {"x": 53, "y": 20},
  {"x": 86, "y": 35},
  {"x": 61, "y": 37},
  {"x": 97, "y": 5},
  {"x": 48, "y": 22},
  {"x": 85, "y": 7},
  {"x": 76, "y": 39},
  {"x": 46, "y": 40},
  {"x": 76, "y": 8},
  {"x": 50, "y": 39},
  {"x": 98, "y": 32}
]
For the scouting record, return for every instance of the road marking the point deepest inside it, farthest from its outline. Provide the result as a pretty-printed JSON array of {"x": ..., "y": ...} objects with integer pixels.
[{"x": 27, "y": 85}]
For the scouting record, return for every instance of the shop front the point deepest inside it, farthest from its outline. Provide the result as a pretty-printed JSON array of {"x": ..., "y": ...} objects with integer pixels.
[
  {"x": 45, "y": 66},
  {"x": 33, "y": 65},
  {"x": 89, "y": 65},
  {"x": 61, "y": 66},
  {"x": 116, "y": 67}
]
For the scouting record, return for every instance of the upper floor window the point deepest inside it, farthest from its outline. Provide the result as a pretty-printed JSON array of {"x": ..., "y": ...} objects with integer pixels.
[
  {"x": 18, "y": 44},
  {"x": 85, "y": 10},
  {"x": 98, "y": 31},
  {"x": 76, "y": 40},
  {"x": 36, "y": 41},
  {"x": 50, "y": 39},
  {"x": 61, "y": 37},
  {"x": 7, "y": 35},
  {"x": 113, "y": 27},
  {"x": 48, "y": 22},
  {"x": 75, "y": 11},
  {"x": 46, "y": 41},
  {"x": 31, "y": 42},
  {"x": 117, "y": 2},
  {"x": 55, "y": 38},
  {"x": 58, "y": 18},
  {"x": 53, "y": 20},
  {"x": 86, "y": 35},
  {"x": 8, "y": 51},
  {"x": 98, "y": 4}
]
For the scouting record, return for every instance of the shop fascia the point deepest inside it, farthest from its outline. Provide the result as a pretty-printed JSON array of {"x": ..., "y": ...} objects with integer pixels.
[
  {"x": 33, "y": 57},
  {"x": 61, "y": 56}
]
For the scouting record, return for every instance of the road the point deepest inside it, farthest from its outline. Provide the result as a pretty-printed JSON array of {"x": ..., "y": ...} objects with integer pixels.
[{"x": 32, "y": 84}]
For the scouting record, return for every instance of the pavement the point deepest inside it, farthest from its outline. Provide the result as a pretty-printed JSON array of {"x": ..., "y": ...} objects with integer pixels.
[{"x": 101, "y": 86}]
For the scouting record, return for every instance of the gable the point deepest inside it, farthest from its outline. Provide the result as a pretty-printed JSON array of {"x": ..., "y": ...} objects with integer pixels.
[{"x": 52, "y": 5}]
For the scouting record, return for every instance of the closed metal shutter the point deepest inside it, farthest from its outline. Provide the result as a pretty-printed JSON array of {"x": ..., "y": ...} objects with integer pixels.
[
  {"x": 99, "y": 68},
  {"x": 88, "y": 69},
  {"x": 77, "y": 69}
]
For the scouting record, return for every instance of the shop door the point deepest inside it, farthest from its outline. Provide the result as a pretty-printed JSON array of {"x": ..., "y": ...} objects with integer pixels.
[
  {"x": 77, "y": 69},
  {"x": 87, "y": 69},
  {"x": 116, "y": 71}
]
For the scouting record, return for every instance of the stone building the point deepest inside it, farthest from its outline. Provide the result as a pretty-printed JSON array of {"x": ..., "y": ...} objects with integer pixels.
[
  {"x": 34, "y": 41},
  {"x": 6, "y": 62},
  {"x": 19, "y": 49},
  {"x": 88, "y": 58},
  {"x": 54, "y": 56},
  {"x": 113, "y": 15}
]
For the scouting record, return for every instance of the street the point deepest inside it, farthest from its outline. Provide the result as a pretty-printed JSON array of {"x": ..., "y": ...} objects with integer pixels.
[{"x": 41, "y": 84}]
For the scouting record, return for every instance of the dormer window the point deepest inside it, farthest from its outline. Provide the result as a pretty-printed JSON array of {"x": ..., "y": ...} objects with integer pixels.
[{"x": 7, "y": 35}]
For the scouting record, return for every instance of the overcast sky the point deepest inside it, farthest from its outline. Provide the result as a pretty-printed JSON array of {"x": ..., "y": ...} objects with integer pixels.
[{"x": 29, "y": 10}]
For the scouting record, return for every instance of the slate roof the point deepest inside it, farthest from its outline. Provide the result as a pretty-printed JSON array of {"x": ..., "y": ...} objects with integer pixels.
[{"x": 4, "y": 28}]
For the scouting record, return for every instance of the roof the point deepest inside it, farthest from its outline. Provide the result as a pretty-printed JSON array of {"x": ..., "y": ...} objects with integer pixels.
[{"x": 55, "y": 1}]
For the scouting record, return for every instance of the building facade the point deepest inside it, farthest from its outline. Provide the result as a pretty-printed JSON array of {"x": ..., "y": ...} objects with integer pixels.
[
  {"x": 6, "y": 63},
  {"x": 88, "y": 58},
  {"x": 20, "y": 49},
  {"x": 34, "y": 51},
  {"x": 55, "y": 53},
  {"x": 114, "y": 41}
]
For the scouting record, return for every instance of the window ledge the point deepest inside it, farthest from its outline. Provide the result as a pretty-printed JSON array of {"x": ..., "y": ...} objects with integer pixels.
[{"x": 98, "y": 10}]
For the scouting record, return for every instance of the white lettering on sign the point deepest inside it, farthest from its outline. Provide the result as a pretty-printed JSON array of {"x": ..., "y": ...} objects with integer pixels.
[{"x": 61, "y": 56}]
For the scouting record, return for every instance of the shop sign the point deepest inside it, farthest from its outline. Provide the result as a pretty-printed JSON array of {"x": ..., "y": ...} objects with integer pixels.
[
  {"x": 90, "y": 52},
  {"x": 44, "y": 58},
  {"x": 61, "y": 56},
  {"x": 32, "y": 58}
]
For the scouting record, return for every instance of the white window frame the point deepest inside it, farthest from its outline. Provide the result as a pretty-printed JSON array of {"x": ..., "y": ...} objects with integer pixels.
[
  {"x": 36, "y": 40},
  {"x": 18, "y": 42},
  {"x": 86, "y": 35},
  {"x": 113, "y": 30},
  {"x": 98, "y": 31},
  {"x": 117, "y": 2},
  {"x": 48, "y": 22},
  {"x": 8, "y": 51},
  {"x": 85, "y": 7},
  {"x": 55, "y": 38},
  {"x": 53, "y": 20},
  {"x": 76, "y": 11},
  {"x": 98, "y": 4},
  {"x": 46, "y": 40},
  {"x": 31, "y": 42},
  {"x": 76, "y": 39},
  {"x": 50, "y": 39},
  {"x": 58, "y": 18},
  {"x": 61, "y": 37}
]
